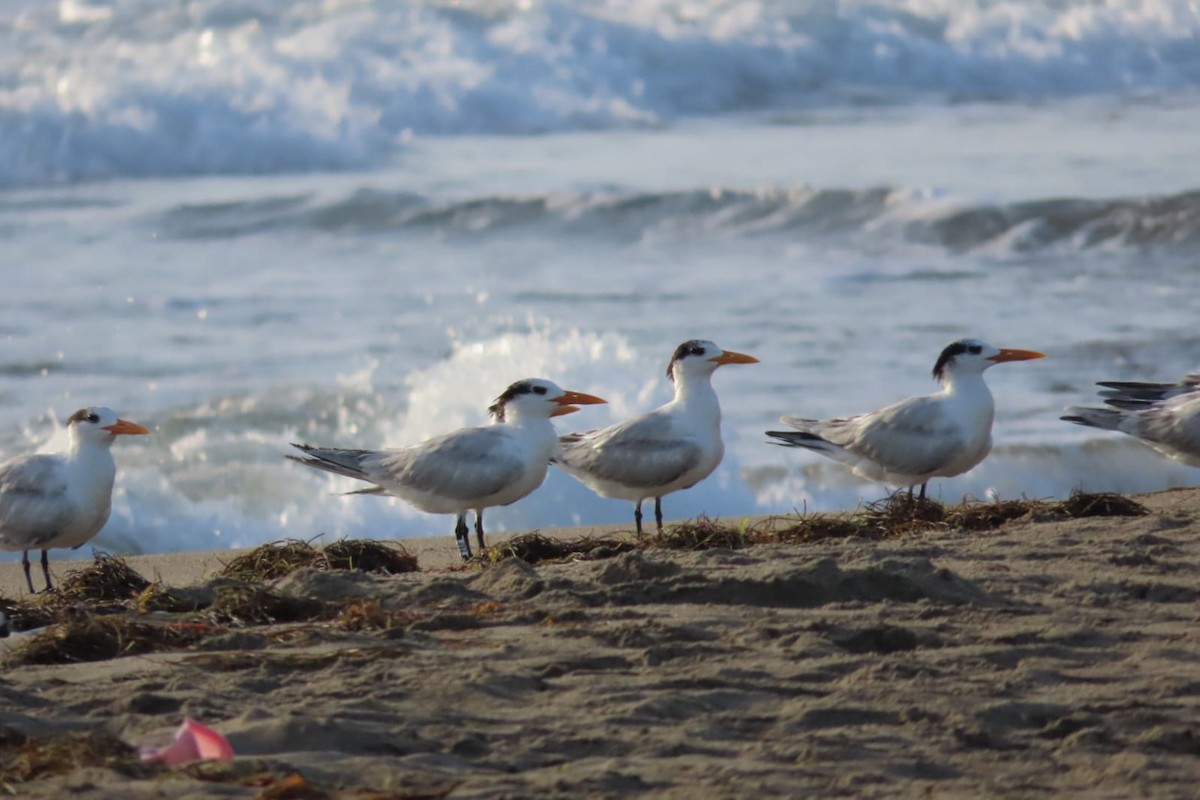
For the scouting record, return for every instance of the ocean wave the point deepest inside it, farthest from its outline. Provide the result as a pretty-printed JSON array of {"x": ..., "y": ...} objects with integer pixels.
[
  {"x": 133, "y": 88},
  {"x": 873, "y": 216}
]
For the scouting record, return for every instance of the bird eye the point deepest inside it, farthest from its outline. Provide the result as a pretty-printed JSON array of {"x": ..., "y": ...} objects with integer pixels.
[
  {"x": 539, "y": 390},
  {"x": 975, "y": 349},
  {"x": 93, "y": 418}
]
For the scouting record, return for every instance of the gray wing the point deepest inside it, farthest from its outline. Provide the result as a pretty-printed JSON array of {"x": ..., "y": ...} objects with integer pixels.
[
  {"x": 1135, "y": 394},
  {"x": 464, "y": 465},
  {"x": 1174, "y": 423},
  {"x": 911, "y": 437},
  {"x": 641, "y": 452},
  {"x": 33, "y": 496}
]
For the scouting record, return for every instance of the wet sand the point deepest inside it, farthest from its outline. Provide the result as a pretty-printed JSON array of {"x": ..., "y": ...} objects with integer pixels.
[{"x": 1046, "y": 658}]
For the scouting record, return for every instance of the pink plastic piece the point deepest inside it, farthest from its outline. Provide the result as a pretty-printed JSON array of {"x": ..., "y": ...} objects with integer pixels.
[{"x": 193, "y": 742}]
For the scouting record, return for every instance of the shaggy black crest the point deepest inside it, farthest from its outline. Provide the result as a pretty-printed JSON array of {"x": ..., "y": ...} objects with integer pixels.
[
  {"x": 953, "y": 350},
  {"x": 692, "y": 347},
  {"x": 496, "y": 409},
  {"x": 84, "y": 415}
]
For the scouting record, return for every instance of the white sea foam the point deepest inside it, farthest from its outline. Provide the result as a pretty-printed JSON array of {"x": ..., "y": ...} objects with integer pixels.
[
  {"x": 138, "y": 88},
  {"x": 210, "y": 479}
]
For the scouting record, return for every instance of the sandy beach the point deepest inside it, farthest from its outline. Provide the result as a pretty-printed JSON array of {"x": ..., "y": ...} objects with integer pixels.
[{"x": 1044, "y": 658}]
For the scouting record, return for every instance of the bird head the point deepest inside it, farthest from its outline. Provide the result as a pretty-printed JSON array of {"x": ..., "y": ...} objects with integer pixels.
[
  {"x": 702, "y": 357},
  {"x": 536, "y": 397},
  {"x": 972, "y": 357},
  {"x": 101, "y": 425}
]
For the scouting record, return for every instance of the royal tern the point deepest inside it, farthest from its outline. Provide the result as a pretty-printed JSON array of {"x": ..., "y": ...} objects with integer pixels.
[
  {"x": 909, "y": 442},
  {"x": 469, "y": 469},
  {"x": 61, "y": 499},
  {"x": 1165, "y": 416},
  {"x": 673, "y": 447}
]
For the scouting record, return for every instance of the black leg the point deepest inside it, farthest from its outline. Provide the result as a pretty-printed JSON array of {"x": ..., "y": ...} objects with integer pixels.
[
  {"x": 463, "y": 534},
  {"x": 46, "y": 568},
  {"x": 637, "y": 517},
  {"x": 479, "y": 529},
  {"x": 25, "y": 564},
  {"x": 923, "y": 485},
  {"x": 658, "y": 512},
  {"x": 910, "y": 493}
]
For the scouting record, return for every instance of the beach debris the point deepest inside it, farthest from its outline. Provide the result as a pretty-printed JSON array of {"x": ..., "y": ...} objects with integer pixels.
[
  {"x": 193, "y": 742},
  {"x": 370, "y": 615},
  {"x": 247, "y": 604},
  {"x": 815, "y": 527},
  {"x": 701, "y": 533},
  {"x": 903, "y": 514},
  {"x": 986, "y": 516},
  {"x": 106, "y": 579},
  {"x": 277, "y": 559},
  {"x": 26, "y": 758},
  {"x": 1103, "y": 504},
  {"x": 293, "y": 787},
  {"x": 103, "y": 587},
  {"x": 159, "y": 597},
  {"x": 87, "y": 637},
  {"x": 533, "y": 548},
  {"x": 270, "y": 561},
  {"x": 367, "y": 555},
  {"x": 898, "y": 514}
]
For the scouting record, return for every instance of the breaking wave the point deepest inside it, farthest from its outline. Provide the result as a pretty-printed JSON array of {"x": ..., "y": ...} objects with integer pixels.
[
  {"x": 136, "y": 88},
  {"x": 882, "y": 215}
]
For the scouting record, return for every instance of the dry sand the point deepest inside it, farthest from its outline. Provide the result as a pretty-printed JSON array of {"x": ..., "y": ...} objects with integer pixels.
[{"x": 1045, "y": 659}]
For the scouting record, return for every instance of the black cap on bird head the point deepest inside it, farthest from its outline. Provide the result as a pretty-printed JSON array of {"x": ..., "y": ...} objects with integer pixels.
[
  {"x": 496, "y": 409},
  {"x": 952, "y": 351},
  {"x": 692, "y": 347}
]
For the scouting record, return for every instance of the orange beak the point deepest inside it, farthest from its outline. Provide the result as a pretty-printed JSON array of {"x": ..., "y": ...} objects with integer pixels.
[
  {"x": 125, "y": 426},
  {"x": 567, "y": 404},
  {"x": 1016, "y": 355},
  {"x": 730, "y": 357}
]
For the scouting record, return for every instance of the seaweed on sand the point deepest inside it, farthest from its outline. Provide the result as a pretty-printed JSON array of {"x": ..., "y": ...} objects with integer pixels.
[
  {"x": 1103, "y": 504},
  {"x": 369, "y": 614},
  {"x": 368, "y": 555},
  {"x": 108, "y": 579},
  {"x": 701, "y": 533},
  {"x": 970, "y": 516},
  {"x": 246, "y": 604},
  {"x": 816, "y": 527},
  {"x": 533, "y": 548},
  {"x": 270, "y": 561},
  {"x": 91, "y": 637},
  {"x": 159, "y": 597},
  {"x": 277, "y": 559},
  {"x": 24, "y": 759},
  {"x": 902, "y": 514}
]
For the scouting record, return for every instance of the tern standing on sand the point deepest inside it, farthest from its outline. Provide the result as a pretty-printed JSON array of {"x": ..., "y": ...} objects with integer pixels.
[
  {"x": 61, "y": 499},
  {"x": 936, "y": 436},
  {"x": 470, "y": 469},
  {"x": 671, "y": 448},
  {"x": 1165, "y": 416}
]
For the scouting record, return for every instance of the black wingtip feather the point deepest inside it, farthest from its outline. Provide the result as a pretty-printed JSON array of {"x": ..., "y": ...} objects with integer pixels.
[
  {"x": 1129, "y": 405},
  {"x": 805, "y": 435},
  {"x": 794, "y": 438}
]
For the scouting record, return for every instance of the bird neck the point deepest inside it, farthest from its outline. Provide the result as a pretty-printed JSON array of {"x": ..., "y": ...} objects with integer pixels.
[
  {"x": 972, "y": 385},
  {"x": 696, "y": 394},
  {"x": 535, "y": 432},
  {"x": 79, "y": 449},
  {"x": 535, "y": 422}
]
